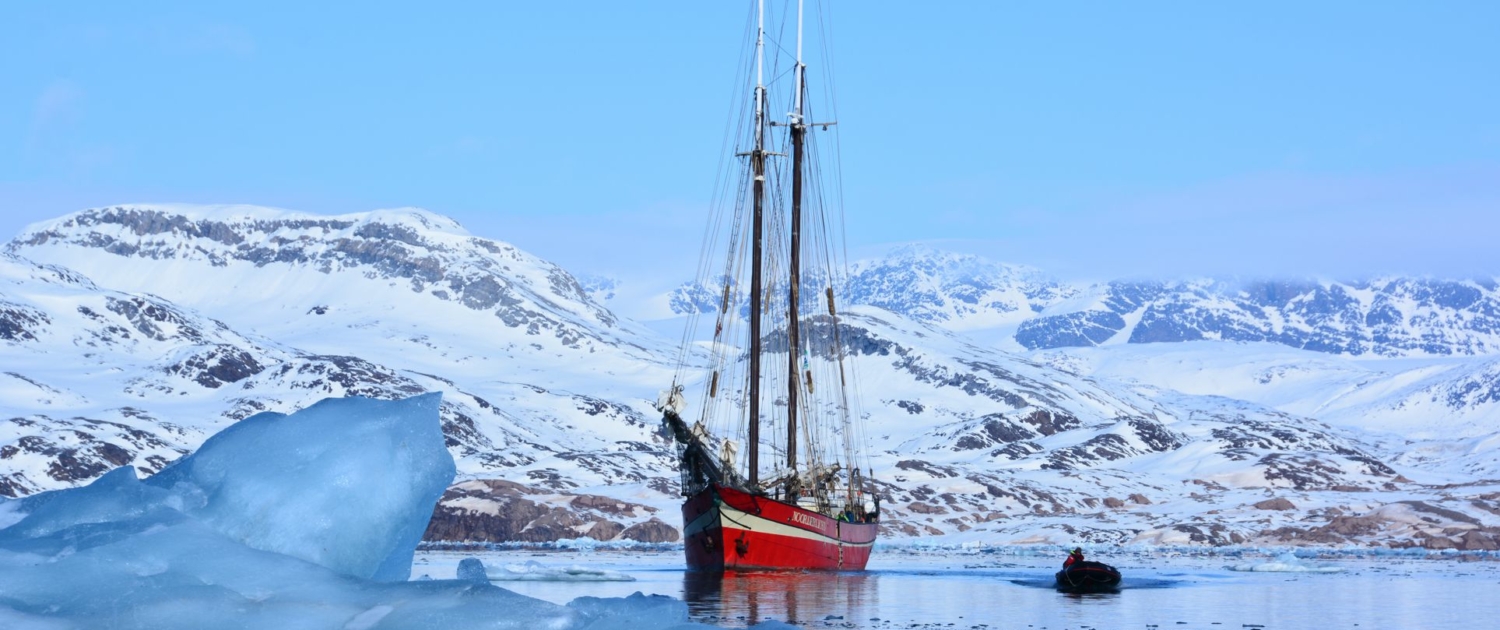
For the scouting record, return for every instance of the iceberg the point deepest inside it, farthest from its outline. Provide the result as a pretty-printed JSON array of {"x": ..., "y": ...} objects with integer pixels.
[
  {"x": 307, "y": 520},
  {"x": 472, "y": 570},
  {"x": 533, "y": 571},
  {"x": 347, "y": 483},
  {"x": 1285, "y": 563}
]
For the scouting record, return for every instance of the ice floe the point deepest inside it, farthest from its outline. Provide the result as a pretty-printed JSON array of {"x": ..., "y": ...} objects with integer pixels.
[
  {"x": 307, "y": 520},
  {"x": 532, "y": 570},
  {"x": 1285, "y": 563}
]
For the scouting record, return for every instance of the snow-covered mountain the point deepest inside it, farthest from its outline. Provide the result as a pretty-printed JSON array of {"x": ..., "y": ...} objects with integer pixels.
[
  {"x": 542, "y": 385},
  {"x": 957, "y": 291},
  {"x": 1387, "y": 317},
  {"x": 131, "y": 333},
  {"x": 1441, "y": 411},
  {"x": 1390, "y": 317}
]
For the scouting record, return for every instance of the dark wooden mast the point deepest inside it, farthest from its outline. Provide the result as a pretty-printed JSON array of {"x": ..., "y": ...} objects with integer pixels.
[
  {"x": 758, "y": 169},
  {"x": 798, "y": 131}
]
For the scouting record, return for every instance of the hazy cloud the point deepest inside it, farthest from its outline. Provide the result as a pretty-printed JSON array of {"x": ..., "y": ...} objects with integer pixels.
[
  {"x": 57, "y": 107},
  {"x": 191, "y": 37},
  {"x": 464, "y": 146},
  {"x": 1435, "y": 221},
  {"x": 206, "y": 37}
]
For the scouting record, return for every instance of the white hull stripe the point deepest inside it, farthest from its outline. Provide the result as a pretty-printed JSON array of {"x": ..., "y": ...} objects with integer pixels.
[
  {"x": 704, "y": 521},
  {"x": 737, "y": 520}
]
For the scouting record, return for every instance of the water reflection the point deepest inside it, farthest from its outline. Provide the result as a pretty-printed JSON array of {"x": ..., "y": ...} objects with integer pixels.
[{"x": 793, "y": 597}]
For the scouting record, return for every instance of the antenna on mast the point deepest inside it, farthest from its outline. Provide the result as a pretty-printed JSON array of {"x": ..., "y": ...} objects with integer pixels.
[
  {"x": 797, "y": 99},
  {"x": 760, "y": 48}
]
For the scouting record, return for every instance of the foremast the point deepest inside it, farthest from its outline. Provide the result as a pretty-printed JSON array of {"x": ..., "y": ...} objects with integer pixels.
[
  {"x": 758, "y": 195},
  {"x": 794, "y": 284}
]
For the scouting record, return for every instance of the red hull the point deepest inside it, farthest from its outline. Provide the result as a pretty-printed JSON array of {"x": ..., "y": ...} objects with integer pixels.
[{"x": 726, "y": 529}]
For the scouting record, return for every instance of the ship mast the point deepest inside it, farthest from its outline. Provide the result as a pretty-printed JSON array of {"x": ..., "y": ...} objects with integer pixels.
[
  {"x": 758, "y": 168},
  {"x": 794, "y": 380}
]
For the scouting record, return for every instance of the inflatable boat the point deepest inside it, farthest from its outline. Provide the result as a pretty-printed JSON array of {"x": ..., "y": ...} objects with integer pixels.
[{"x": 1088, "y": 577}]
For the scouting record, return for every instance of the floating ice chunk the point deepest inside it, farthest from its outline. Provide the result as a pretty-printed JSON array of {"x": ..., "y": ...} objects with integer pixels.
[
  {"x": 533, "y": 571},
  {"x": 1285, "y": 563},
  {"x": 635, "y": 611},
  {"x": 114, "y": 497},
  {"x": 174, "y": 551},
  {"x": 10, "y": 512},
  {"x": 472, "y": 570},
  {"x": 367, "y": 619},
  {"x": 347, "y": 483}
]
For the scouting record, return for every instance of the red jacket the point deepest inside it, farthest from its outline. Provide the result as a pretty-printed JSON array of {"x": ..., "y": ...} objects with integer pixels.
[{"x": 1075, "y": 557}]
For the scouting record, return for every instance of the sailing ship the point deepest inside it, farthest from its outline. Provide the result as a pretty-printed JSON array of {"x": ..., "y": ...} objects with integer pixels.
[{"x": 769, "y": 277}]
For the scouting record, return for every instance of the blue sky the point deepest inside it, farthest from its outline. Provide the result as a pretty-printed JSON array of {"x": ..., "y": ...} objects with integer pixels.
[{"x": 1092, "y": 140}]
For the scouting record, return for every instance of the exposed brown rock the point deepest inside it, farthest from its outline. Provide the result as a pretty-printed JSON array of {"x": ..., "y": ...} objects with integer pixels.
[
  {"x": 1210, "y": 533},
  {"x": 1277, "y": 503},
  {"x": 1211, "y": 485},
  {"x": 927, "y": 467},
  {"x": 1476, "y": 540},
  {"x": 898, "y": 528},
  {"x": 498, "y": 510},
  {"x": 651, "y": 531},
  {"x": 1140, "y": 499},
  {"x": 1354, "y": 525},
  {"x": 1319, "y": 535},
  {"x": 924, "y": 508},
  {"x": 555, "y": 524},
  {"x": 606, "y": 505},
  {"x": 1437, "y": 542},
  {"x": 1453, "y": 515},
  {"x": 1111, "y": 502},
  {"x": 605, "y": 530}
]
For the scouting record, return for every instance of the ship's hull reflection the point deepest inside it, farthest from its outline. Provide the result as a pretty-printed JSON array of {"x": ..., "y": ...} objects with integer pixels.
[{"x": 752, "y": 596}]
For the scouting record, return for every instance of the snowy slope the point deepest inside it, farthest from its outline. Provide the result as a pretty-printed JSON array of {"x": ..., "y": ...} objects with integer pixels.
[
  {"x": 1444, "y": 411},
  {"x": 204, "y": 315},
  {"x": 1384, "y": 317},
  {"x": 984, "y": 445},
  {"x": 541, "y": 384},
  {"x": 1018, "y": 307},
  {"x": 306, "y": 521},
  {"x": 958, "y": 291},
  {"x": 96, "y": 379}
]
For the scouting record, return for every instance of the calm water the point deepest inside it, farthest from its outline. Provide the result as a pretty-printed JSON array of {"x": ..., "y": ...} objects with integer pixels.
[{"x": 928, "y": 590}]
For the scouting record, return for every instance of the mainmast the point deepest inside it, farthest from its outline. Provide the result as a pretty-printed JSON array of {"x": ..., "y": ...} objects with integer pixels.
[
  {"x": 794, "y": 380},
  {"x": 758, "y": 168}
]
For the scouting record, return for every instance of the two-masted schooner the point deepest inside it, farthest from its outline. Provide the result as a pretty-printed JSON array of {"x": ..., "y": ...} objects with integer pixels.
[{"x": 778, "y": 384}]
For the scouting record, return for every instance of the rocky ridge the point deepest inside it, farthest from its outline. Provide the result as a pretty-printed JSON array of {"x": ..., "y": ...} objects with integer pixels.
[
  {"x": 201, "y": 317},
  {"x": 1386, "y": 317}
]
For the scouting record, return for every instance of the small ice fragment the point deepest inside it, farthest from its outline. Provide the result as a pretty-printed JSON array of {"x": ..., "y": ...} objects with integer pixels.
[
  {"x": 1285, "y": 563},
  {"x": 533, "y": 571},
  {"x": 472, "y": 570},
  {"x": 368, "y": 618}
]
